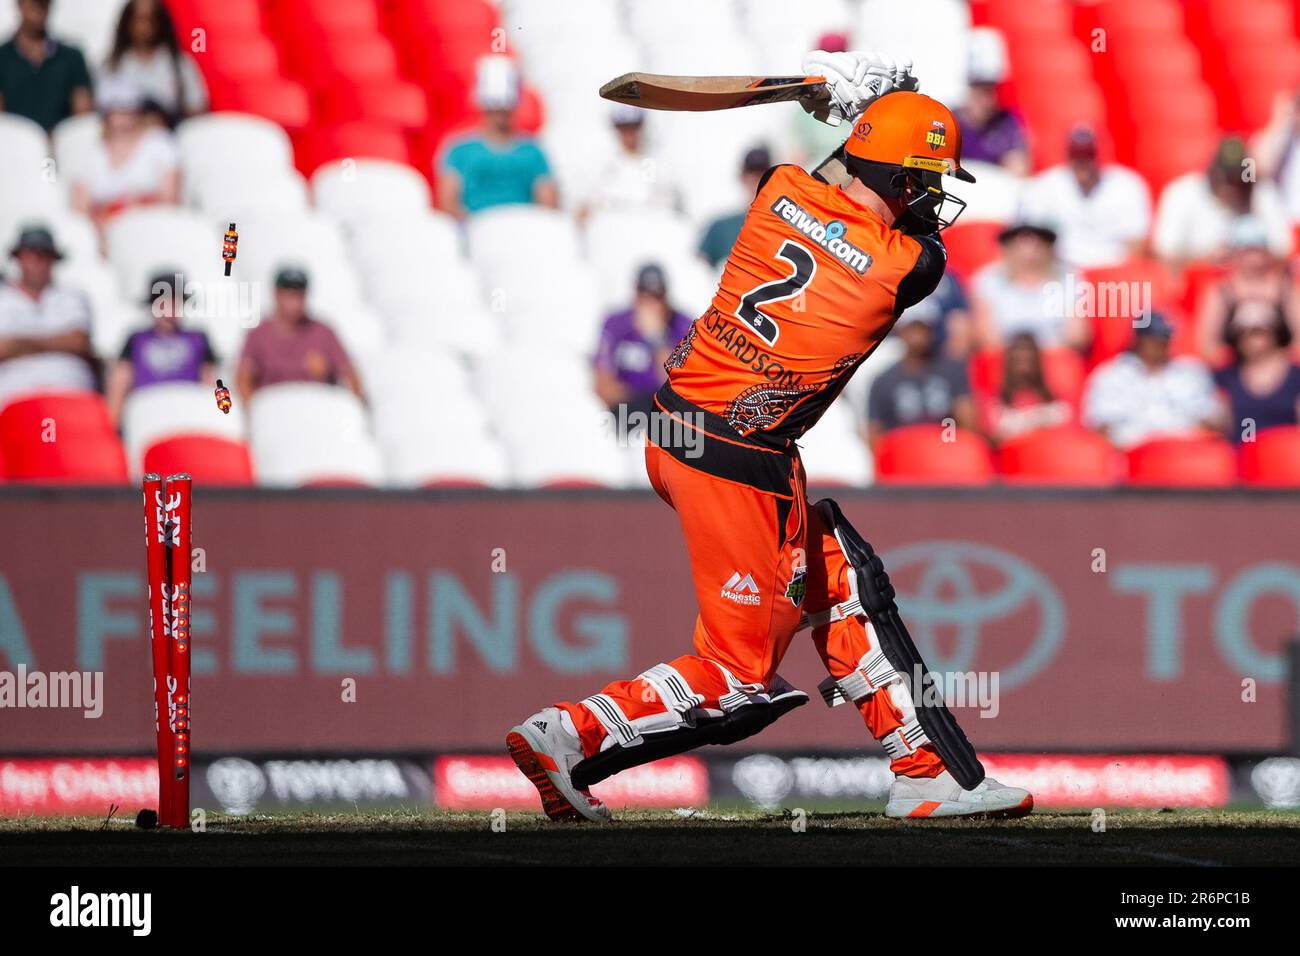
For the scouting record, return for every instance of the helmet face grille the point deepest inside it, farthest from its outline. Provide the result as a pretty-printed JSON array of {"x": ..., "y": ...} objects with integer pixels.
[{"x": 930, "y": 207}]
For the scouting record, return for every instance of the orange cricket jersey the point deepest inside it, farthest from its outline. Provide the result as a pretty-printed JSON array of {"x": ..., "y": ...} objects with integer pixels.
[{"x": 810, "y": 289}]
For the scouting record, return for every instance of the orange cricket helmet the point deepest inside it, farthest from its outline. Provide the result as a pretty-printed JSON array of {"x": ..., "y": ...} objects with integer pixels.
[{"x": 901, "y": 144}]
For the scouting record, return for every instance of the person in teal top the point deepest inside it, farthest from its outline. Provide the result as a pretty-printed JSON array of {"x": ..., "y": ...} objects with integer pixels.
[{"x": 494, "y": 165}]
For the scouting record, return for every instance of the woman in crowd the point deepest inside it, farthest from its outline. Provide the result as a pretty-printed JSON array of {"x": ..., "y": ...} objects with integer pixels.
[
  {"x": 1255, "y": 275},
  {"x": 133, "y": 164},
  {"x": 147, "y": 54},
  {"x": 1263, "y": 382},
  {"x": 1027, "y": 290},
  {"x": 1025, "y": 402}
]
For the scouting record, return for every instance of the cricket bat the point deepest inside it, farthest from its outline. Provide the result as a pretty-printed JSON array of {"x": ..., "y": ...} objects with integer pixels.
[{"x": 696, "y": 94}]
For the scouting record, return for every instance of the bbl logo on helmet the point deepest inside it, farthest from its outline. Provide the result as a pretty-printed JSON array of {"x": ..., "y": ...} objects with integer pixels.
[{"x": 937, "y": 136}]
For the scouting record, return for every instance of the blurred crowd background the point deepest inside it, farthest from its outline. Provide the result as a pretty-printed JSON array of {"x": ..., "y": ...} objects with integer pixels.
[{"x": 457, "y": 265}]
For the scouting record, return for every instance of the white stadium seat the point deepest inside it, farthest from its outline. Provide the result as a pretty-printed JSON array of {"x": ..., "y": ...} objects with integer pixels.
[
  {"x": 305, "y": 433},
  {"x": 29, "y": 183},
  {"x": 353, "y": 190},
  {"x": 933, "y": 33},
  {"x": 621, "y": 242},
  {"x": 233, "y": 139},
  {"x": 74, "y": 140},
  {"x": 231, "y": 193},
  {"x": 833, "y": 452},
  {"x": 88, "y": 25},
  {"x": 995, "y": 196},
  {"x": 144, "y": 239},
  {"x": 175, "y": 408}
]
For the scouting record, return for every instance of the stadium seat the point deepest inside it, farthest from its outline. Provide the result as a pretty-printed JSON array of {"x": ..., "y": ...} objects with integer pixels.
[
  {"x": 359, "y": 189},
  {"x": 74, "y": 141},
  {"x": 1272, "y": 459},
  {"x": 210, "y": 460},
  {"x": 620, "y": 242},
  {"x": 224, "y": 139},
  {"x": 144, "y": 239},
  {"x": 1067, "y": 455},
  {"x": 833, "y": 452},
  {"x": 1193, "y": 461},
  {"x": 918, "y": 454},
  {"x": 158, "y": 412},
  {"x": 356, "y": 140},
  {"x": 280, "y": 100},
  {"x": 304, "y": 433},
  {"x": 386, "y": 100},
  {"x": 61, "y": 438},
  {"x": 971, "y": 245}
]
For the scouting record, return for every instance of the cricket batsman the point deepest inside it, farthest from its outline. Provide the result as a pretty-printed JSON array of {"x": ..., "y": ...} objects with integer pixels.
[{"x": 824, "y": 265}]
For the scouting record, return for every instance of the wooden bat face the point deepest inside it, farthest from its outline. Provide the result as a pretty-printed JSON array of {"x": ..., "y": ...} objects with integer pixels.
[{"x": 704, "y": 93}]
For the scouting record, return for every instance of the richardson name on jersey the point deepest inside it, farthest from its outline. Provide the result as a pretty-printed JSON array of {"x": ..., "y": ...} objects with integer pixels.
[
  {"x": 747, "y": 351},
  {"x": 830, "y": 236}
]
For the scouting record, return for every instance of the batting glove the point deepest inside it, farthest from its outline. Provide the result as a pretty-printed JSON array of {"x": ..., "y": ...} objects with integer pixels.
[{"x": 853, "y": 80}]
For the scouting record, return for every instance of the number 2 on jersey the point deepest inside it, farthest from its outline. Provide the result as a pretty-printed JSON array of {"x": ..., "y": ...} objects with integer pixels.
[{"x": 750, "y": 313}]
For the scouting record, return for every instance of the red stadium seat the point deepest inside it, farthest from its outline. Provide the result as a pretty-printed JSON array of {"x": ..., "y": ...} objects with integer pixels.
[
  {"x": 243, "y": 16},
  {"x": 1028, "y": 21},
  {"x": 61, "y": 437},
  {"x": 918, "y": 454},
  {"x": 338, "y": 17},
  {"x": 1257, "y": 75},
  {"x": 325, "y": 144},
  {"x": 242, "y": 57},
  {"x": 351, "y": 59},
  {"x": 1125, "y": 20},
  {"x": 971, "y": 245},
  {"x": 1067, "y": 455},
  {"x": 211, "y": 460},
  {"x": 1117, "y": 293},
  {"x": 1273, "y": 458},
  {"x": 1200, "y": 461},
  {"x": 281, "y": 101},
  {"x": 392, "y": 102}
]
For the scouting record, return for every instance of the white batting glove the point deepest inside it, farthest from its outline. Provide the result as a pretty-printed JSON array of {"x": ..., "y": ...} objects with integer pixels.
[{"x": 854, "y": 79}]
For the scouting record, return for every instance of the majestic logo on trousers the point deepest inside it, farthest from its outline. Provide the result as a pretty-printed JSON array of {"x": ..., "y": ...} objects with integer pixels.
[{"x": 741, "y": 589}]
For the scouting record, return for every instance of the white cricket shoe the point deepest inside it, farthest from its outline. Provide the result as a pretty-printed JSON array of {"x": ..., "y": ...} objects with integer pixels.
[
  {"x": 942, "y": 796},
  {"x": 546, "y": 752}
]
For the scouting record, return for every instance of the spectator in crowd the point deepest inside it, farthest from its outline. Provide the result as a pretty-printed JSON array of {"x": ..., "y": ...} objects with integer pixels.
[
  {"x": 496, "y": 165},
  {"x": 631, "y": 179},
  {"x": 1254, "y": 275},
  {"x": 1143, "y": 394},
  {"x": 147, "y": 55},
  {"x": 134, "y": 163},
  {"x": 721, "y": 233},
  {"x": 948, "y": 312},
  {"x": 1101, "y": 213},
  {"x": 812, "y": 139},
  {"x": 291, "y": 346},
  {"x": 923, "y": 387},
  {"x": 163, "y": 352},
  {"x": 990, "y": 133},
  {"x": 41, "y": 78},
  {"x": 635, "y": 343},
  {"x": 1277, "y": 149},
  {"x": 1024, "y": 402},
  {"x": 1196, "y": 211},
  {"x": 44, "y": 327},
  {"x": 1027, "y": 290},
  {"x": 1262, "y": 384}
]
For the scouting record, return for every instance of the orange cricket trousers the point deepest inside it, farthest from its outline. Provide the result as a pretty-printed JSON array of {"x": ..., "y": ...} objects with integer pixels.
[{"x": 760, "y": 556}]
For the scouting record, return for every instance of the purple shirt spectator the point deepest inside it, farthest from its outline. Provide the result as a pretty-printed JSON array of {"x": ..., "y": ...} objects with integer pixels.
[
  {"x": 157, "y": 356},
  {"x": 992, "y": 141},
  {"x": 309, "y": 352},
  {"x": 629, "y": 355}
]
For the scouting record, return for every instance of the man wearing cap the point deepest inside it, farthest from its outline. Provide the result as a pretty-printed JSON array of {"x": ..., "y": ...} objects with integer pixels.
[
  {"x": 631, "y": 179},
  {"x": 922, "y": 388},
  {"x": 496, "y": 165},
  {"x": 163, "y": 352},
  {"x": 41, "y": 78},
  {"x": 635, "y": 343},
  {"x": 44, "y": 328},
  {"x": 1196, "y": 211},
  {"x": 291, "y": 346},
  {"x": 824, "y": 265},
  {"x": 1101, "y": 212},
  {"x": 720, "y": 235},
  {"x": 1145, "y": 393}
]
